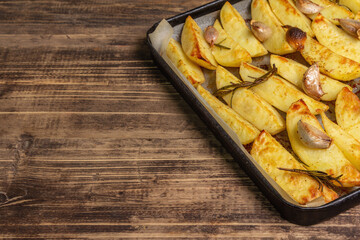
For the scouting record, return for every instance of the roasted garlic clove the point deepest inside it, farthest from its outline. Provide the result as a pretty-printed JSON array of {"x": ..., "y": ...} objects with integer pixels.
[
  {"x": 260, "y": 30},
  {"x": 307, "y": 6},
  {"x": 351, "y": 26},
  {"x": 296, "y": 38},
  {"x": 312, "y": 137},
  {"x": 210, "y": 35},
  {"x": 311, "y": 82}
]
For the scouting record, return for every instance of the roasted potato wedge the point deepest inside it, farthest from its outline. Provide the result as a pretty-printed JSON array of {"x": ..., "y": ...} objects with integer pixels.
[
  {"x": 288, "y": 14},
  {"x": 330, "y": 160},
  {"x": 354, "y": 5},
  {"x": 347, "y": 111},
  {"x": 336, "y": 39},
  {"x": 277, "y": 91},
  {"x": 245, "y": 131},
  {"x": 332, "y": 11},
  {"x": 271, "y": 156},
  {"x": 228, "y": 57},
  {"x": 236, "y": 28},
  {"x": 249, "y": 105},
  {"x": 195, "y": 46},
  {"x": 357, "y": 16},
  {"x": 294, "y": 72},
  {"x": 261, "y": 11},
  {"x": 190, "y": 70},
  {"x": 330, "y": 63},
  {"x": 345, "y": 142}
]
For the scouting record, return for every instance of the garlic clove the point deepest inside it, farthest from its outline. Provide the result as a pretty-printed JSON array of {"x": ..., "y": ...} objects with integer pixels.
[
  {"x": 307, "y": 6},
  {"x": 296, "y": 38},
  {"x": 211, "y": 35},
  {"x": 313, "y": 137},
  {"x": 311, "y": 82},
  {"x": 261, "y": 31},
  {"x": 351, "y": 26}
]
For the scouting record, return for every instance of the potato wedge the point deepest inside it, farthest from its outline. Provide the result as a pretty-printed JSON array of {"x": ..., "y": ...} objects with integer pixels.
[
  {"x": 245, "y": 131},
  {"x": 228, "y": 57},
  {"x": 195, "y": 46},
  {"x": 332, "y": 11},
  {"x": 354, "y": 131},
  {"x": 357, "y": 16},
  {"x": 236, "y": 28},
  {"x": 288, "y": 14},
  {"x": 347, "y": 109},
  {"x": 294, "y": 72},
  {"x": 345, "y": 142},
  {"x": 277, "y": 91},
  {"x": 330, "y": 160},
  {"x": 271, "y": 156},
  {"x": 330, "y": 63},
  {"x": 261, "y": 11},
  {"x": 336, "y": 39},
  {"x": 190, "y": 70},
  {"x": 249, "y": 105},
  {"x": 354, "y": 5}
]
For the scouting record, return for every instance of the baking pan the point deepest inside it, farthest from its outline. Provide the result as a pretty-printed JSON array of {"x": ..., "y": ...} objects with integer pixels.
[{"x": 289, "y": 211}]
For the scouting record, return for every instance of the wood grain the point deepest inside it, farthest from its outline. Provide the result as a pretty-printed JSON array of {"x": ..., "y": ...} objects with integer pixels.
[{"x": 96, "y": 143}]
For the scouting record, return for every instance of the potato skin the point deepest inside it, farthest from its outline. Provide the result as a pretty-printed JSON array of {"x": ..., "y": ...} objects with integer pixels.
[
  {"x": 190, "y": 70},
  {"x": 195, "y": 46}
]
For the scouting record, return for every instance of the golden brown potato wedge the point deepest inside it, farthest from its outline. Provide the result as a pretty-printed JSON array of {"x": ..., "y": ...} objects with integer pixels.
[
  {"x": 347, "y": 109},
  {"x": 345, "y": 142},
  {"x": 288, "y": 14},
  {"x": 271, "y": 156},
  {"x": 249, "y": 105},
  {"x": 245, "y": 131},
  {"x": 354, "y": 5},
  {"x": 357, "y": 16},
  {"x": 190, "y": 70},
  {"x": 261, "y": 11},
  {"x": 332, "y": 11},
  {"x": 195, "y": 46},
  {"x": 228, "y": 57},
  {"x": 294, "y": 72},
  {"x": 330, "y": 63},
  {"x": 236, "y": 28},
  {"x": 277, "y": 91},
  {"x": 330, "y": 160},
  {"x": 334, "y": 38}
]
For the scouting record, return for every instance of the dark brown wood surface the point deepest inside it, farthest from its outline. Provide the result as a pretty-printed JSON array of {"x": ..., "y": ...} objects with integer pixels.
[{"x": 96, "y": 143}]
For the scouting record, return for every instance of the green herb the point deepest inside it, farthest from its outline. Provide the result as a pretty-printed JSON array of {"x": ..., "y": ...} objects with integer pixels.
[
  {"x": 321, "y": 177},
  {"x": 221, "y": 92}
]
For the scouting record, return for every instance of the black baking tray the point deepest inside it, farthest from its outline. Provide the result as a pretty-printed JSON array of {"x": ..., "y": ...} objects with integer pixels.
[{"x": 293, "y": 213}]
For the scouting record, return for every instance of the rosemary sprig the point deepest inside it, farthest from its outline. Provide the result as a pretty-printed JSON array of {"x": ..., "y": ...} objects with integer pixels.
[
  {"x": 221, "y": 92},
  {"x": 321, "y": 177}
]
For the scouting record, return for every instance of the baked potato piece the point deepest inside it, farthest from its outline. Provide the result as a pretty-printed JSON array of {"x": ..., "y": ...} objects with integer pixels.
[
  {"x": 345, "y": 142},
  {"x": 271, "y": 156},
  {"x": 249, "y": 105},
  {"x": 331, "y": 160},
  {"x": 294, "y": 72},
  {"x": 276, "y": 43},
  {"x": 354, "y": 5},
  {"x": 195, "y": 46},
  {"x": 245, "y": 131},
  {"x": 190, "y": 70},
  {"x": 228, "y": 57},
  {"x": 332, "y": 11},
  {"x": 336, "y": 39},
  {"x": 277, "y": 91},
  {"x": 330, "y": 63},
  {"x": 347, "y": 111},
  {"x": 236, "y": 28},
  {"x": 288, "y": 14}
]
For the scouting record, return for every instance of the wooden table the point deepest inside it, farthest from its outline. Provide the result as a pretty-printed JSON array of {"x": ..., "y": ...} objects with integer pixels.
[{"x": 96, "y": 143}]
